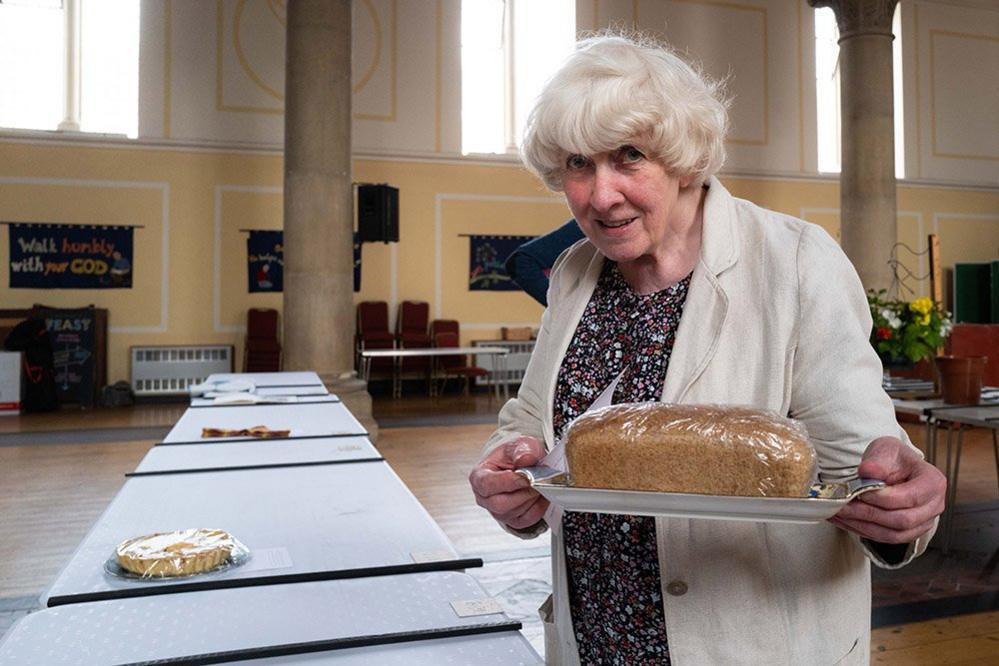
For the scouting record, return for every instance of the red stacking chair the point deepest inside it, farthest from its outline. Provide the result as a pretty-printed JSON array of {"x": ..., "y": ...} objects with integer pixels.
[
  {"x": 262, "y": 351},
  {"x": 373, "y": 333},
  {"x": 454, "y": 366},
  {"x": 411, "y": 333}
]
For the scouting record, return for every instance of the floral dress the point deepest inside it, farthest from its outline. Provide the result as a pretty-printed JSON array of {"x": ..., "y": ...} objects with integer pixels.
[{"x": 612, "y": 561}]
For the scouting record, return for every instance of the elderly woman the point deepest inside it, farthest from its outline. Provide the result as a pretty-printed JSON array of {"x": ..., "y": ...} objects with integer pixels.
[{"x": 694, "y": 296}]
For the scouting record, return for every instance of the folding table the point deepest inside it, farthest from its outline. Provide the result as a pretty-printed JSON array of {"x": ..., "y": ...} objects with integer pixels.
[
  {"x": 306, "y": 420},
  {"x": 406, "y": 619},
  {"x": 270, "y": 379},
  {"x": 318, "y": 522},
  {"x": 266, "y": 397},
  {"x": 254, "y": 454}
]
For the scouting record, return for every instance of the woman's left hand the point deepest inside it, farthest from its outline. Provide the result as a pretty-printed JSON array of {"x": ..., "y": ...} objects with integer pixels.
[{"x": 905, "y": 509}]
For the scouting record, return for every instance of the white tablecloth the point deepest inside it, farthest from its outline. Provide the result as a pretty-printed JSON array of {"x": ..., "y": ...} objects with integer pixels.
[
  {"x": 322, "y": 520},
  {"x": 302, "y": 420},
  {"x": 255, "y": 453},
  {"x": 198, "y": 623}
]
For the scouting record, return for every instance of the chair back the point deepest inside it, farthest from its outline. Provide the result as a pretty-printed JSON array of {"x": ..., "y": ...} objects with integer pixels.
[
  {"x": 262, "y": 324},
  {"x": 372, "y": 317},
  {"x": 444, "y": 326},
  {"x": 449, "y": 339},
  {"x": 413, "y": 317}
]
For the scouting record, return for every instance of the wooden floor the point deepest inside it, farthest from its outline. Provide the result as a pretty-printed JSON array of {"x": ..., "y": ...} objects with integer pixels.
[{"x": 50, "y": 495}]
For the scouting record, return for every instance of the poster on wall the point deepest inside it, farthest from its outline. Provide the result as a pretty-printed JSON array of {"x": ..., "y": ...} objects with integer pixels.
[
  {"x": 265, "y": 261},
  {"x": 70, "y": 256},
  {"x": 72, "y": 333},
  {"x": 487, "y": 254}
]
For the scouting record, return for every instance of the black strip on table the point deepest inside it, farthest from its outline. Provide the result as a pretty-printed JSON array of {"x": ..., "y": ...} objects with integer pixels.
[
  {"x": 335, "y": 644},
  {"x": 160, "y": 587},
  {"x": 242, "y": 440},
  {"x": 318, "y": 400},
  {"x": 237, "y": 468}
]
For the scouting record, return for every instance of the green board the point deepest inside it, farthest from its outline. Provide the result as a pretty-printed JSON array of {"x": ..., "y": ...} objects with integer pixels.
[
  {"x": 972, "y": 293},
  {"x": 995, "y": 292}
]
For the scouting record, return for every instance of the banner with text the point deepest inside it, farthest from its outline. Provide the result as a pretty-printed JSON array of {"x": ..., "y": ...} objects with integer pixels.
[
  {"x": 65, "y": 256},
  {"x": 265, "y": 268},
  {"x": 487, "y": 254}
]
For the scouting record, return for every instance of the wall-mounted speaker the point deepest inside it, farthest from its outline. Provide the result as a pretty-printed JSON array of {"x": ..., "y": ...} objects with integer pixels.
[{"x": 378, "y": 213}]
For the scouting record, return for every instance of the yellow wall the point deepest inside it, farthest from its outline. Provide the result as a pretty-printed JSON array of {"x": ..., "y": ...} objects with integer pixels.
[{"x": 183, "y": 195}]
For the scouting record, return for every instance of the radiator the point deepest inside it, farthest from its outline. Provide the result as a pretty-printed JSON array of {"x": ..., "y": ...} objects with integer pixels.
[
  {"x": 516, "y": 361},
  {"x": 170, "y": 370}
]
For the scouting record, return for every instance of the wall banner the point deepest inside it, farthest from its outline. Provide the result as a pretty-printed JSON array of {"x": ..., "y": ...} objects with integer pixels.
[
  {"x": 265, "y": 265},
  {"x": 487, "y": 254},
  {"x": 70, "y": 256}
]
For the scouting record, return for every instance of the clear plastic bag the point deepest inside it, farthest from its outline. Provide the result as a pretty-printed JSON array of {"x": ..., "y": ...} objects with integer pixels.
[
  {"x": 703, "y": 449},
  {"x": 178, "y": 554}
]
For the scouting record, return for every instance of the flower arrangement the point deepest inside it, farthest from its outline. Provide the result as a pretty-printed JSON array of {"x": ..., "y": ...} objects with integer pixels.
[{"x": 907, "y": 331}]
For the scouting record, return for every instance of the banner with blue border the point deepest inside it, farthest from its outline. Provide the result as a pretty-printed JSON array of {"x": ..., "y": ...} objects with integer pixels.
[
  {"x": 265, "y": 261},
  {"x": 70, "y": 256},
  {"x": 487, "y": 254}
]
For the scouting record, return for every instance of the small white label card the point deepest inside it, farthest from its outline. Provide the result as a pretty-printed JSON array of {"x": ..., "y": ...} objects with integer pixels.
[
  {"x": 349, "y": 447},
  {"x": 474, "y": 607},
  {"x": 263, "y": 559},
  {"x": 439, "y": 555}
]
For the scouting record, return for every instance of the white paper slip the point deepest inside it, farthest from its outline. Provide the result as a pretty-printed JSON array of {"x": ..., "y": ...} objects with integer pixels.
[
  {"x": 474, "y": 607},
  {"x": 264, "y": 559},
  {"x": 439, "y": 555}
]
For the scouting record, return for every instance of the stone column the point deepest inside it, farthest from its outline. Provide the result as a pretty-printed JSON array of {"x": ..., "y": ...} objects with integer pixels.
[
  {"x": 318, "y": 200},
  {"x": 867, "y": 180}
]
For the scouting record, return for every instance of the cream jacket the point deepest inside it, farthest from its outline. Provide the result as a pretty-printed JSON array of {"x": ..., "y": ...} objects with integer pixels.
[{"x": 775, "y": 318}]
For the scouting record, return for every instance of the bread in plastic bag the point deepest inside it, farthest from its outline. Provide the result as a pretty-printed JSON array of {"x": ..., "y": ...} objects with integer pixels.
[{"x": 702, "y": 449}]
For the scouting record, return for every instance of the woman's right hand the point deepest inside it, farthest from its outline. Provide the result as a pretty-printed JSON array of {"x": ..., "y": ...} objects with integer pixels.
[{"x": 508, "y": 496}]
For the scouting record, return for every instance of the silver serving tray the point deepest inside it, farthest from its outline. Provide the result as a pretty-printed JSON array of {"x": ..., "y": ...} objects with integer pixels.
[{"x": 825, "y": 500}]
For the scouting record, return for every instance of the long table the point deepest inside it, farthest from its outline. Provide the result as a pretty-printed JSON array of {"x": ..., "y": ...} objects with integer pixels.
[
  {"x": 397, "y": 355},
  {"x": 341, "y": 622},
  {"x": 345, "y": 566}
]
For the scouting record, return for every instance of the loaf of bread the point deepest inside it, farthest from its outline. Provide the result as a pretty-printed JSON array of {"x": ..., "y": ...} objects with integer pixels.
[{"x": 703, "y": 449}]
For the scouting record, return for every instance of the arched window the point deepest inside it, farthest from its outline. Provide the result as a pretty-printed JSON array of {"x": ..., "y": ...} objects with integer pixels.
[
  {"x": 509, "y": 48},
  {"x": 38, "y": 74},
  {"x": 827, "y": 91}
]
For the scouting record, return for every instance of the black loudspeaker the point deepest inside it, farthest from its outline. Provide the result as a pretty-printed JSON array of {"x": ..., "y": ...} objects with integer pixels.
[{"x": 378, "y": 213}]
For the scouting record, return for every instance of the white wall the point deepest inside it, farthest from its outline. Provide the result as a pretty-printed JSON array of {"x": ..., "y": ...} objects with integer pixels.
[{"x": 213, "y": 72}]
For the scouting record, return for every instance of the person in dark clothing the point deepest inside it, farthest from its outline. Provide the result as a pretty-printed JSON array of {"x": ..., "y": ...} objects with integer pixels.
[{"x": 530, "y": 263}]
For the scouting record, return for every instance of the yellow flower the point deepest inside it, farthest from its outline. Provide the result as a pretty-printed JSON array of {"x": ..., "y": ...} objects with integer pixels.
[
  {"x": 923, "y": 306},
  {"x": 924, "y": 320}
]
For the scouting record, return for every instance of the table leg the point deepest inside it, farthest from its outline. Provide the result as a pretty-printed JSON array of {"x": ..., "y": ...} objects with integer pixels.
[
  {"x": 995, "y": 450},
  {"x": 506, "y": 378},
  {"x": 949, "y": 509},
  {"x": 366, "y": 365},
  {"x": 928, "y": 439},
  {"x": 496, "y": 377},
  {"x": 934, "y": 434}
]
